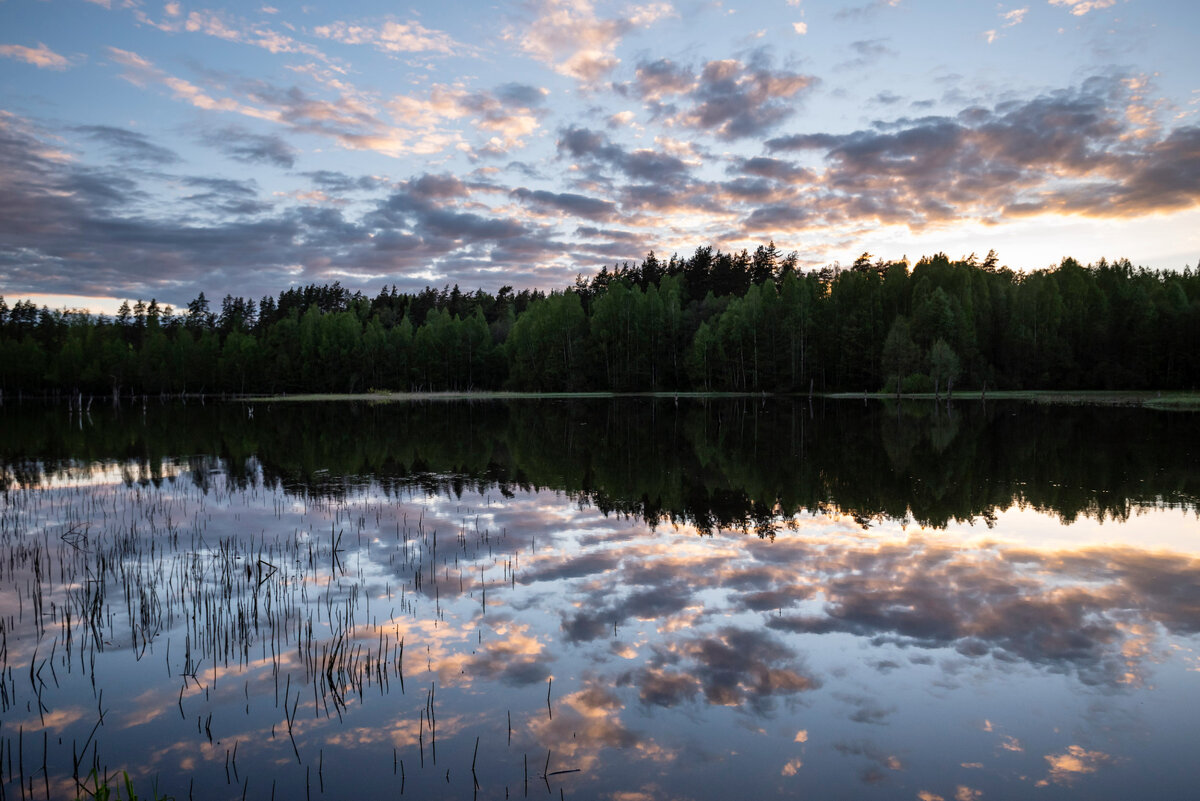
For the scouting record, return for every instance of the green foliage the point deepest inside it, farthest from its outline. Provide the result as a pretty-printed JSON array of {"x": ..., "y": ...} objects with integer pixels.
[
  {"x": 943, "y": 366},
  {"x": 104, "y": 791},
  {"x": 916, "y": 383},
  {"x": 900, "y": 353},
  {"x": 714, "y": 321}
]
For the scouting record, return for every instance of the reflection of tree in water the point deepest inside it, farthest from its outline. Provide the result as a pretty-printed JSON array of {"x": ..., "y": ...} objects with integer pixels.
[{"x": 738, "y": 464}]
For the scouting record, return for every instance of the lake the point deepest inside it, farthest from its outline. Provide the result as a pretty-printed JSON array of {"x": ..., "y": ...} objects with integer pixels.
[{"x": 608, "y": 598}]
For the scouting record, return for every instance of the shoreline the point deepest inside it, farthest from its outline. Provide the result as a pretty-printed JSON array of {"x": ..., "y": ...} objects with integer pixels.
[{"x": 1166, "y": 400}]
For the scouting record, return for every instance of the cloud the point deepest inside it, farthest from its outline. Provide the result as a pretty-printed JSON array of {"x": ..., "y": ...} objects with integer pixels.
[
  {"x": 339, "y": 182},
  {"x": 569, "y": 203},
  {"x": 251, "y": 148},
  {"x": 1014, "y": 17},
  {"x": 569, "y": 36},
  {"x": 349, "y": 118},
  {"x": 69, "y": 227},
  {"x": 662, "y": 78},
  {"x": 729, "y": 98},
  {"x": 776, "y": 169},
  {"x": 800, "y": 28},
  {"x": 1070, "y": 151},
  {"x": 226, "y": 196},
  {"x": 1081, "y": 7},
  {"x": 391, "y": 37},
  {"x": 130, "y": 145},
  {"x": 224, "y": 26},
  {"x": 40, "y": 56},
  {"x": 867, "y": 52},
  {"x": 1011, "y": 18},
  {"x": 642, "y": 164},
  {"x": 865, "y": 11},
  {"x": 607, "y": 233}
]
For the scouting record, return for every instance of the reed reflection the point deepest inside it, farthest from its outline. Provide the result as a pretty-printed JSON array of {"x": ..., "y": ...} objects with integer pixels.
[{"x": 442, "y": 615}]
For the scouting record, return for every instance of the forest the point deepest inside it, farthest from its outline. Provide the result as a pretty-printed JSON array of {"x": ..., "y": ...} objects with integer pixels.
[{"x": 714, "y": 321}]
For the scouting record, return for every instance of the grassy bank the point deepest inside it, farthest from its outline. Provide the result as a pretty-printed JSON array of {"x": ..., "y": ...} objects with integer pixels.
[
  {"x": 1182, "y": 400},
  {"x": 435, "y": 396},
  {"x": 1188, "y": 400}
]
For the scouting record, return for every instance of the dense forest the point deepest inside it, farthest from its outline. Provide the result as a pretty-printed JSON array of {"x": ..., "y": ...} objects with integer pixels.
[{"x": 749, "y": 322}]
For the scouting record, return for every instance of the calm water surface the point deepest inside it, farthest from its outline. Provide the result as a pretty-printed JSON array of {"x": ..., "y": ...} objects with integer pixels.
[{"x": 620, "y": 600}]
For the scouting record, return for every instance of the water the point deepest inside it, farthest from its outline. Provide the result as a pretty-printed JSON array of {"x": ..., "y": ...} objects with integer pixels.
[{"x": 600, "y": 599}]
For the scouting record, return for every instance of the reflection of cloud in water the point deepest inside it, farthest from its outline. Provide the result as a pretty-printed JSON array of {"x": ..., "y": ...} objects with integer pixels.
[
  {"x": 734, "y": 668},
  {"x": 511, "y": 656},
  {"x": 585, "y": 723},
  {"x": 1068, "y": 766},
  {"x": 1069, "y": 611},
  {"x": 866, "y": 710},
  {"x": 1092, "y": 611},
  {"x": 1061, "y": 611},
  {"x": 881, "y": 760},
  {"x": 55, "y": 720},
  {"x": 724, "y": 621}
]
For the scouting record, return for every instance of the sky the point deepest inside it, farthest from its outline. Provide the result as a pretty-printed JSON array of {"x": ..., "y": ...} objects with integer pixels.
[{"x": 161, "y": 150}]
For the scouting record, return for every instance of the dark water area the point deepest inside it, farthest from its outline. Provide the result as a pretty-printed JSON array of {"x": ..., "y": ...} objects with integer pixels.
[{"x": 615, "y": 599}]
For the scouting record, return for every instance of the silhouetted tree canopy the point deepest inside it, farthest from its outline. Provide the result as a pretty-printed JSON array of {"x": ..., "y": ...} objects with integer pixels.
[{"x": 714, "y": 321}]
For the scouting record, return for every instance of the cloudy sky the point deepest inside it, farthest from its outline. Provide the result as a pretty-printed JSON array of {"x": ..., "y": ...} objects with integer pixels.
[{"x": 153, "y": 149}]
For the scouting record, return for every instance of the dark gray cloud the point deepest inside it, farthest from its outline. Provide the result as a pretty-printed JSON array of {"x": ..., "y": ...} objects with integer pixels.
[
  {"x": 729, "y": 99},
  {"x": 441, "y": 186},
  {"x": 589, "y": 208},
  {"x": 608, "y": 233},
  {"x": 662, "y": 78},
  {"x": 867, "y": 52},
  {"x": 1071, "y": 151},
  {"x": 129, "y": 145},
  {"x": 68, "y": 228},
  {"x": 865, "y": 11},
  {"x": 776, "y": 169},
  {"x": 519, "y": 95},
  {"x": 224, "y": 186},
  {"x": 251, "y": 148},
  {"x": 226, "y": 195},
  {"x": 340, "y": 183},
  {"x": 636, "y": 165}
]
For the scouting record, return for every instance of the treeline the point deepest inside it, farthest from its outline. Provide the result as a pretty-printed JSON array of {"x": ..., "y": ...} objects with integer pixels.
[{"x": 714, "y": 321}]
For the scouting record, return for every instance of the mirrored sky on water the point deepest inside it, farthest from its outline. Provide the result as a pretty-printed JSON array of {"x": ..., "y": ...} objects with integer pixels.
[{"x": 836, "y": 660}]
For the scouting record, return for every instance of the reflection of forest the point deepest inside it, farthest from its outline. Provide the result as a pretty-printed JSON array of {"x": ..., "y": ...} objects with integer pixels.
[{"x": 728, "y": 463}]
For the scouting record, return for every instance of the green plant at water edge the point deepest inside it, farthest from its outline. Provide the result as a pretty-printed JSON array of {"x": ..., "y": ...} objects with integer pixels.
[{"x": 105, "y": 792}]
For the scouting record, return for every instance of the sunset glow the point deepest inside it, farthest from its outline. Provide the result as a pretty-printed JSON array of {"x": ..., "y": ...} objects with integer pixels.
[{"x": 160, "y": 150}]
